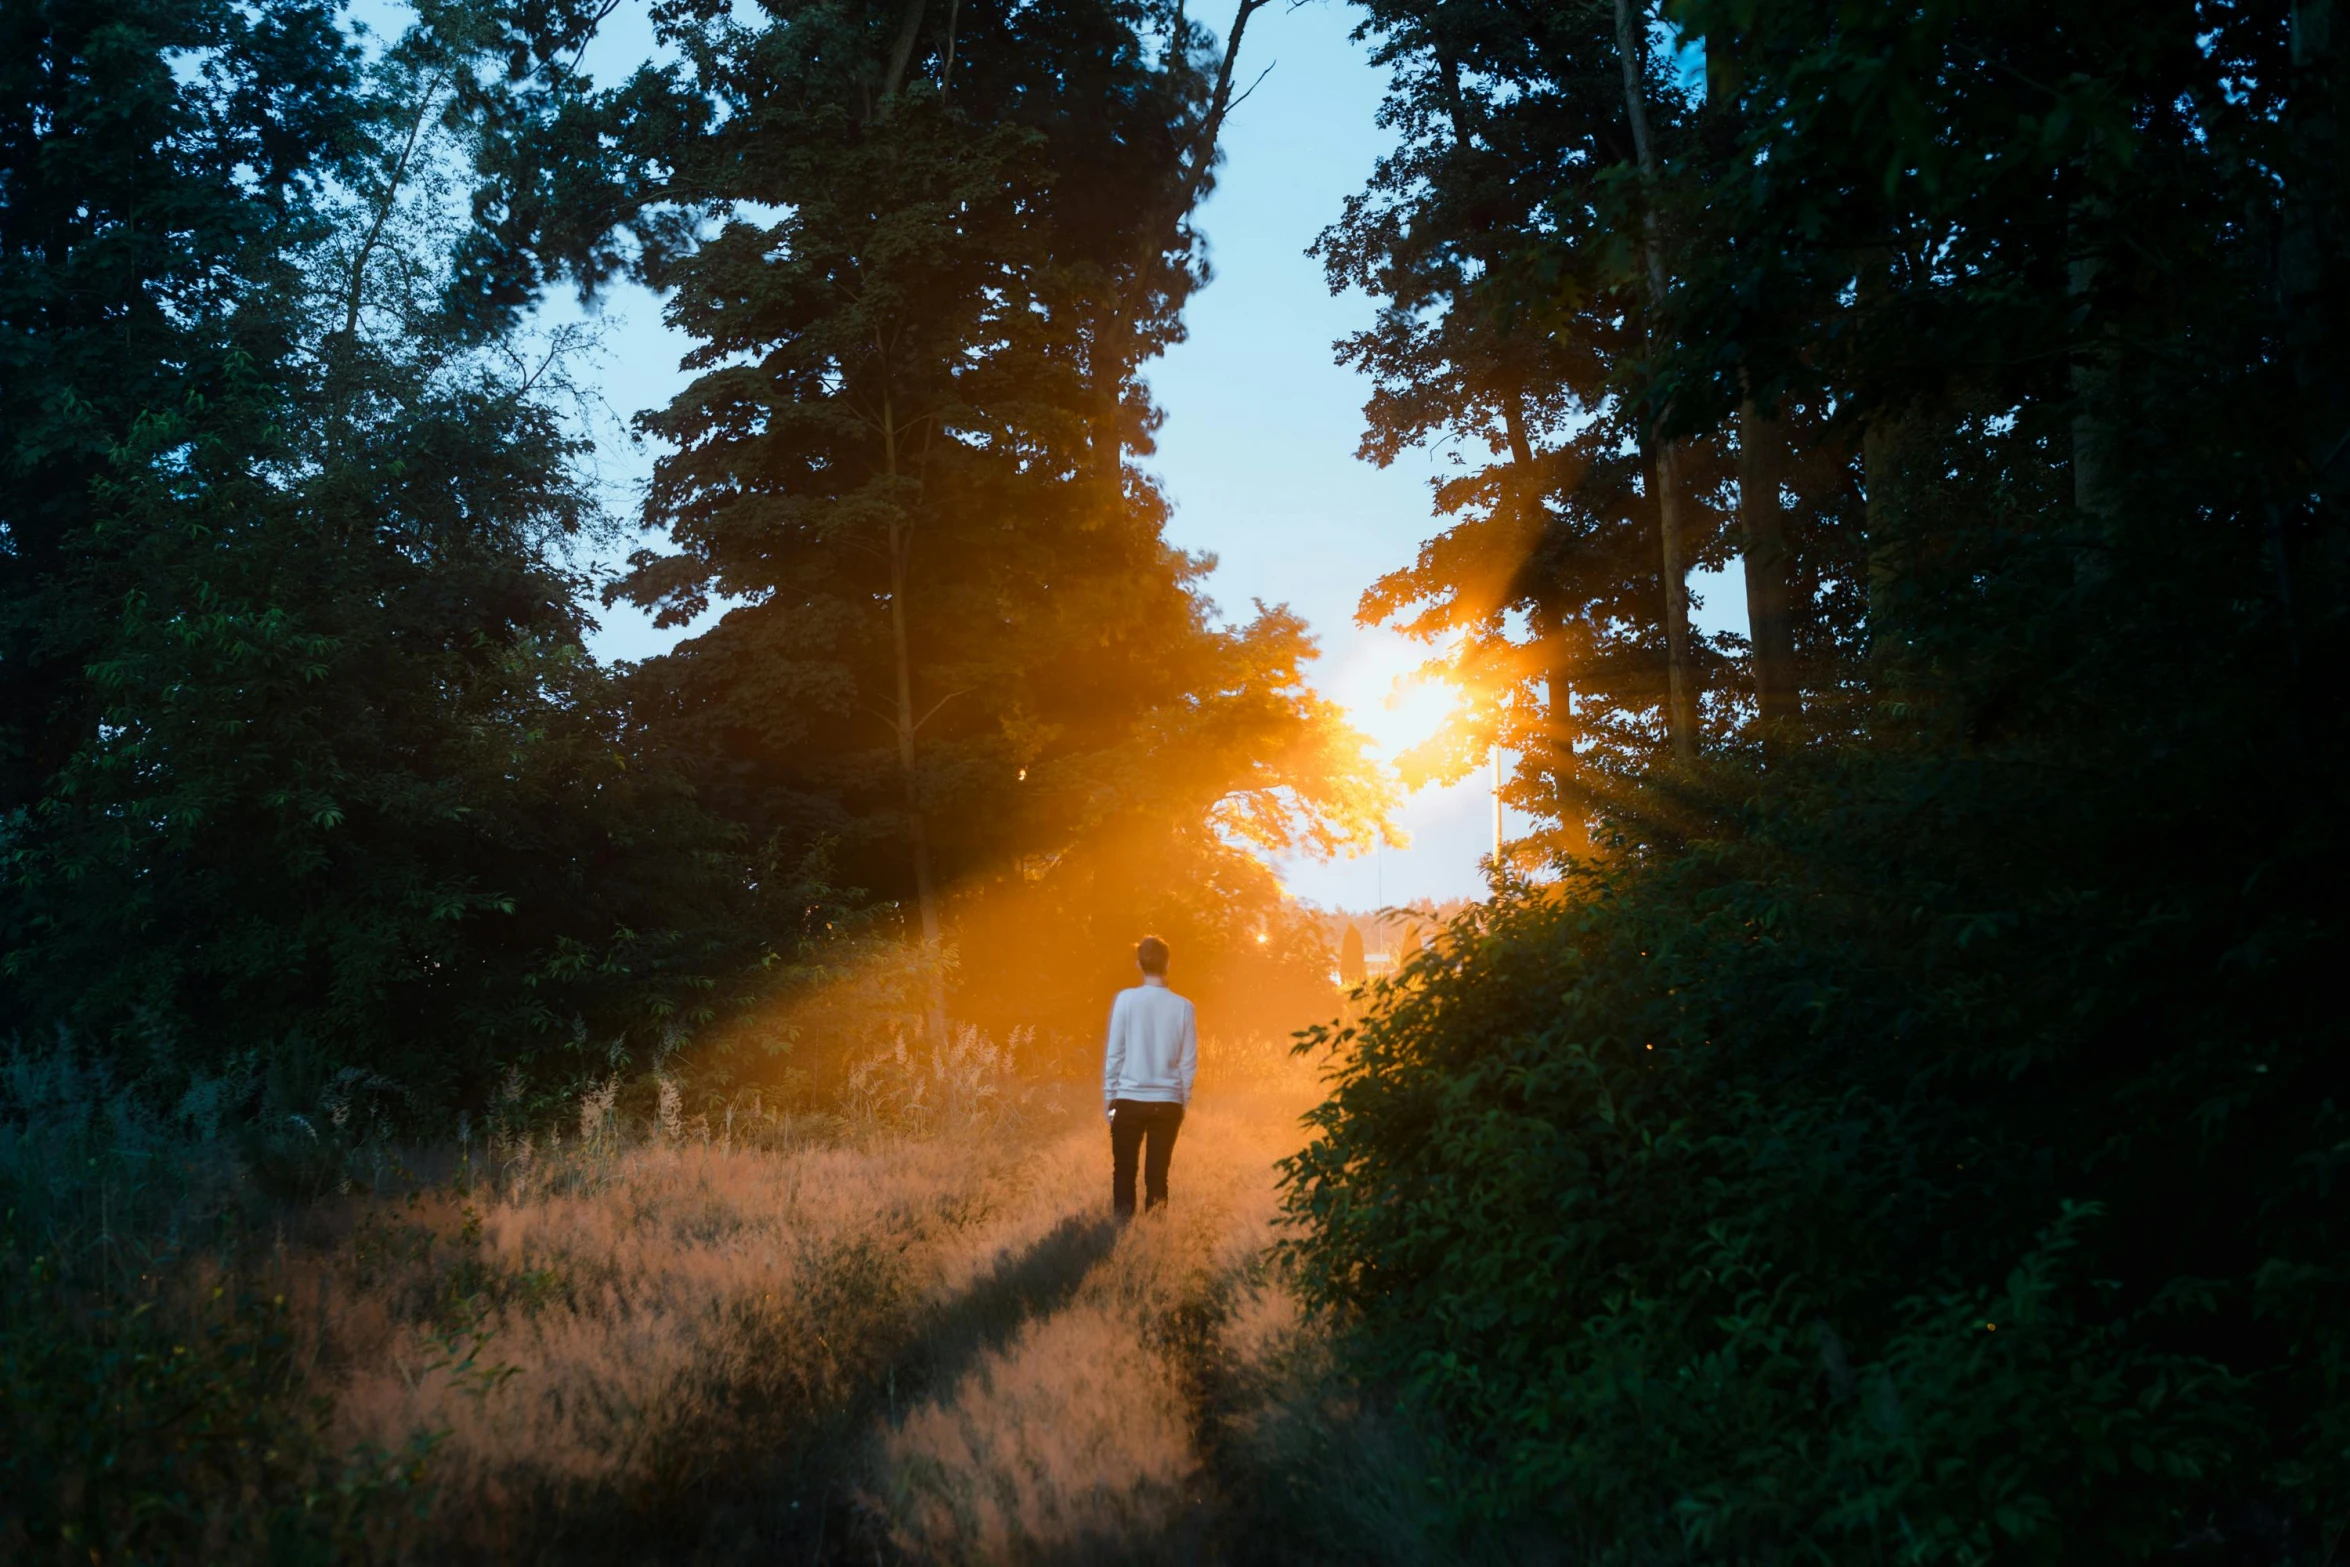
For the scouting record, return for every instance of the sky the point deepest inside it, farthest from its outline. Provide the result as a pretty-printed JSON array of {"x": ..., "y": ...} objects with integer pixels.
[{"x": 1258, "y": 450}]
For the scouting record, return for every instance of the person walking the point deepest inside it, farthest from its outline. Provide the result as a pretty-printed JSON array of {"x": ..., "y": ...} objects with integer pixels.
[{"x": 1147, "y": 1066}]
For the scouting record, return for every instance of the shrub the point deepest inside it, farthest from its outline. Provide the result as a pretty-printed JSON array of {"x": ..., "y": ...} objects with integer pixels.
[
  {"x": 1916, "y": 1167},
  {"x": 151, "y": 1378}
]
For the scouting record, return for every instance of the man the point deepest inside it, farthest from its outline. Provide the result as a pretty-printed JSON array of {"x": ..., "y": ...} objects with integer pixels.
[{"x": 1147, "y": 1068}]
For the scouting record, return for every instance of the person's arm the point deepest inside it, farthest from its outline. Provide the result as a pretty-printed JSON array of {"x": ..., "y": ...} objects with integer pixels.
[
  {"x": 1114, "y": 1052},
  {"x": 1189, "y": 1068}
]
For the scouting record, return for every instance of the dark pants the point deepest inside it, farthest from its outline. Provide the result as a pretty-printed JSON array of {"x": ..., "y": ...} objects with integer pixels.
[{"x": 1132, "y": 1122}]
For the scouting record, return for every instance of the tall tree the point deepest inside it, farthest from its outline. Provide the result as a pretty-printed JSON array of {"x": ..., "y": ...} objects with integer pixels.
[
  {"x": 310, "y": 761},
  {"x": 1762, "y": 433},
  {"x": 2004, "y": 1114},
  {"x": 1681, "y": 706},
  {"x": 1521, "y": 237},
  {"x": 960, "y": 645},
  {"x": 1505, "y": 241},
  {"x": 1350, "y": 956}
]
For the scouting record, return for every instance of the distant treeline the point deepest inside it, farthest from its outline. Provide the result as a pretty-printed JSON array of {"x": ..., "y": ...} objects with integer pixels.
[
  {"x": 301, "y": 758},
  {"x": 1912, "y": 1127},
  {"x": 1383, "y": 937}
]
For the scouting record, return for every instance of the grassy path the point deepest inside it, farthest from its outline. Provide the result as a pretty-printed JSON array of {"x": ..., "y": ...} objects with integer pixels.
[
  {"x": 862, "y": 1347},
  {"x": 1087, "y": 1431},
  {"x": 869, "y": 1336}
]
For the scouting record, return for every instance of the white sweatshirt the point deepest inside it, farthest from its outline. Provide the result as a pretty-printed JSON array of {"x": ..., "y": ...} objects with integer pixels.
[{"x": 1153, "y": 1049}]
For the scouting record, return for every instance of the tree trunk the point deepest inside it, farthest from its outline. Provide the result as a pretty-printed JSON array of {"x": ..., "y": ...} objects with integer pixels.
[
  {"x": 1681, "y": 705},
  {"x": 1114, "y": 357},
  {"x": 1880, "y": 461},
  {"x": 901, "y": 548},
  {"x": 1570, "y": 801},
  {"x": 2309, "y": 290},
  {"x": 2092, "y": 444},
  {"x": 1513, "y": 422},
  {"x": 1762, "y": 462},
  {"x": 1881, "y": 481},
  {"x": 1681, "y": 710},
  {"x": 2092, "y": 378},
  {"x": 2308, "y": 276},
  {"x": 901, "y": 53},
  {"x": 1770, "y": 594}
]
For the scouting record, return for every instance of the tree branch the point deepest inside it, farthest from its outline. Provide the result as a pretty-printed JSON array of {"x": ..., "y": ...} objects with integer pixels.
[
  {"x": 1201, "y": 157},
  {"x": 394, "y": 178},
  {"x": 941, "y": 702}
]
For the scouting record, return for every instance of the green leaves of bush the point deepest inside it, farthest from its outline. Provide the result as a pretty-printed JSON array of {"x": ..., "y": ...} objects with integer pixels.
[{"x": 1773, "y": 1202}]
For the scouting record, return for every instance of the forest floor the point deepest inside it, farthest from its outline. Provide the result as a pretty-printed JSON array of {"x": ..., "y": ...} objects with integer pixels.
[{"x": 867, "y": 1347}]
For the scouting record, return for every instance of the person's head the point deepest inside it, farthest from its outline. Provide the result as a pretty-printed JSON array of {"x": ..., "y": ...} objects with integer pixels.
[{"x": 1150, "y": 956}]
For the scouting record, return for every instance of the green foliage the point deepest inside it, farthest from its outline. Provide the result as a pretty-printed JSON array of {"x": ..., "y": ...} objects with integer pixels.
[
  {"x": 306, "y": 753},
  {"x": 155, "y": 1403},
  {"x": 1921, "y": 1143}
]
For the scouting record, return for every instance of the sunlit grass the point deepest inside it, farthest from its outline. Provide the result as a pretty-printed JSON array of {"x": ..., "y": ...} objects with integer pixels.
[
  {"x": 1082, "y": 1431},
  {"x": 907, "y": 1327}
]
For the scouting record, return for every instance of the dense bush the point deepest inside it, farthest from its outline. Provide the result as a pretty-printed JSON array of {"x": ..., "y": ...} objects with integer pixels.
[
  {"x": 154, "y": 1403},
  {"x": 1934, "y": 1165}
]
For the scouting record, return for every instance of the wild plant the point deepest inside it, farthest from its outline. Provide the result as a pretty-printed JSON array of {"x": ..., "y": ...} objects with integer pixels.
[
  {"x": 963, "y": 1082},
  {"x": 336, "y": 1142},
  {"x": 152, "y": 1398},
  {"x": 669, "y": 1116}
]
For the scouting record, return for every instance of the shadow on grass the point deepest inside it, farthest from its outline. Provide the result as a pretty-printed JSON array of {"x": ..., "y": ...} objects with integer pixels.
[
  {"x": 760, "y": 1466},
  {"x": 1033, "y": 1283}
]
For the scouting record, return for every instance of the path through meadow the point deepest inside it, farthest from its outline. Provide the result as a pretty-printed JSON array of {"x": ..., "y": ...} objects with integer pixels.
[
  {"x": 755, "y": 1342},
  {"x": 1088, "y": 1430}
]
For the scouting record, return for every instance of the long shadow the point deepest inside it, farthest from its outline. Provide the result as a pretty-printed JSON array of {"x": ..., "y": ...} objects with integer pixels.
[
  {"x": 1033, "y": 1283},
  {"x": 797, "y": 1503},
  {"x": 1022, "y": 1286}
]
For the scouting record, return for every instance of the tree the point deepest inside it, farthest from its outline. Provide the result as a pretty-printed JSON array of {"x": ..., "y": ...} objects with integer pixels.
[
  {"x": 1680, "y": 701},
  {"x": 312, "y": 764},
  {"x": 960, "y": 653},
  {"x": 1350, "y": 956},
  {"x": 1918, "y": 1143},
  {"x": 138, "y": 210},
  {"x": 1535, "y": 270},
  {"x": 1513, "y": 322}
]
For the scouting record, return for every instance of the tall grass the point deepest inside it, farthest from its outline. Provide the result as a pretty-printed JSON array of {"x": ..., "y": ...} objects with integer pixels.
[
  {"x": 902, "y": 1330},
  {"x": 1079, "y": 1432},
  {"x": 1176, "y": 1406},
  {"x": 656, "y": 1342}
]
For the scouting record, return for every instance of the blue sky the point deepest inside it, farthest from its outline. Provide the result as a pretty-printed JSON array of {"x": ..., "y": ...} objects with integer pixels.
[{"x": 1258, "y": 449}]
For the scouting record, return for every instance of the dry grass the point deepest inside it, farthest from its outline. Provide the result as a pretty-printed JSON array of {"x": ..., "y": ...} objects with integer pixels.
[
  {"x": 903, "y": 1332},
  {"x": 1080, "y": 1436},
  {"x": 914, "y": 1336},
  {"x": 601, "y": 1357}
]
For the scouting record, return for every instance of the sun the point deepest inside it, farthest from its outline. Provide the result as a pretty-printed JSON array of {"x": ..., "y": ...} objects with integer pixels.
[{"x": 1379, "y": 683}]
